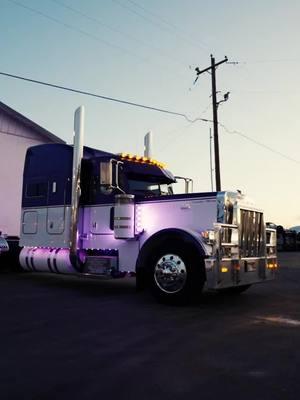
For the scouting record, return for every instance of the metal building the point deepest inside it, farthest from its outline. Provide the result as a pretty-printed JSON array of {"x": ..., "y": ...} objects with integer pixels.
[{"x": 17, "y": 133}]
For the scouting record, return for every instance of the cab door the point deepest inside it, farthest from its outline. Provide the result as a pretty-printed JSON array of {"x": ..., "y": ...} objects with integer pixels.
[{"x": 58, "y": 207}]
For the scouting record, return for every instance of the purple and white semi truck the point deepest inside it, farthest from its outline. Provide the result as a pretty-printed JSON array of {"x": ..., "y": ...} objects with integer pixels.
[{"x": 95, "y": 213}]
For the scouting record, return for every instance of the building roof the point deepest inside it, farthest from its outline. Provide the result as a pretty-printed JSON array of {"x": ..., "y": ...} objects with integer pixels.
[{"x": 30, "y": 124}]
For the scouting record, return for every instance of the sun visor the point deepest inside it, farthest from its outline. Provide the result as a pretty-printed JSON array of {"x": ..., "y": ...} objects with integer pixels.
[{"x": 148, "y": 172}]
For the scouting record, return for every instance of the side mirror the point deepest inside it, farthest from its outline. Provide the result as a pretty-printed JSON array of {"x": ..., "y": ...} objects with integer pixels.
[{"x": 109, "y": 176}]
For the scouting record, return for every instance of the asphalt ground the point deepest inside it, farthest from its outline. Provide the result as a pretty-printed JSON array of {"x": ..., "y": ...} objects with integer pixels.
[{"x": 71, "y": 338}]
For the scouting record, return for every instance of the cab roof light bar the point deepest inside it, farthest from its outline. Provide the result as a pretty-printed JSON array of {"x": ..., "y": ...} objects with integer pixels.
[{"x": 141, "y": 159}]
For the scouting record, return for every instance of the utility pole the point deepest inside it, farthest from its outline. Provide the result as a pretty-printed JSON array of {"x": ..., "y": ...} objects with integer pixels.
[
  {"x": 212, "y": 71},
  {"x": 210, "y": 161}
]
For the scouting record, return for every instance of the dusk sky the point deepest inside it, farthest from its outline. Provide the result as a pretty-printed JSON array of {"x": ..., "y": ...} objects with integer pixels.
[{"x": 146, "y": 52}]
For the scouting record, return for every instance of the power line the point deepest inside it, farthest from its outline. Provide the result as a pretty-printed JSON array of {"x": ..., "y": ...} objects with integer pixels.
[
  {"x": 74, "y": 28},
  {"x": 89, "y": 35},
  {"x": 166, "y": 22},
  {"x": 129, "y": 103},
  {"x": 283, "y": 60},
  {"x": 152, "y": 22},
  {"x": 107, "y": 26},
  {"x": 151, "y": 108},
  {"x": 206, "y": 108},
  {"x": 140, "y": 15},
  {"x": 174, "y": 138},
  {"x": 96, "y": 38},
  {"x": 234, "y": 132},
  {"x": 266, "y": 91}
]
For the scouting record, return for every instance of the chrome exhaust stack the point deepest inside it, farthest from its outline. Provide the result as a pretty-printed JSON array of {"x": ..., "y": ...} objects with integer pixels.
[
  {"x": 76, "y": 191},
  {"x": 148, "y": 141}
]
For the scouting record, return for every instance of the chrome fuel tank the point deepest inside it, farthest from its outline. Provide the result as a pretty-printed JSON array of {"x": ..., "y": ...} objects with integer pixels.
[{"x": 46, "y": 260}]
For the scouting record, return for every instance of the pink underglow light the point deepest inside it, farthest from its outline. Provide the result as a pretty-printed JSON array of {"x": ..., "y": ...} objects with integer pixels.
[{"x": 138, "y": 220}]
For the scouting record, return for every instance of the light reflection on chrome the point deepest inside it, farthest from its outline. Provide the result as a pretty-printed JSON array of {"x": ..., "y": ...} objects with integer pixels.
[{"x": 170, "y": 273}]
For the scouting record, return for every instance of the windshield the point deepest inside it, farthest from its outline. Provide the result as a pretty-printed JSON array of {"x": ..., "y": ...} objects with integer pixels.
[{"x": 149, "y": 188}]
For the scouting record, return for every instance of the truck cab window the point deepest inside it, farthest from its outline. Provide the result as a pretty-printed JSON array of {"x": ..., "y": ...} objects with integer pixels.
[
  {"x": 38, "y": 189},
  {"x": 146, "y": 188}
]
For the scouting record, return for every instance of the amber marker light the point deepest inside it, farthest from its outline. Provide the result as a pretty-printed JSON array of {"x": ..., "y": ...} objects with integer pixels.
[
  {"x": 272, "y": 265},
  {"x": 224, "y": 269},
  {"x": 141, "y": 159}
]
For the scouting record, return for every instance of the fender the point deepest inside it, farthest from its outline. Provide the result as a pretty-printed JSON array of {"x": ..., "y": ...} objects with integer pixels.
[{"x": 187, "y": 236}]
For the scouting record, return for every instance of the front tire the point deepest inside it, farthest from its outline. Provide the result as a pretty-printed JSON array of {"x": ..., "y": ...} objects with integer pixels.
[{"x": 176, "y": 274}]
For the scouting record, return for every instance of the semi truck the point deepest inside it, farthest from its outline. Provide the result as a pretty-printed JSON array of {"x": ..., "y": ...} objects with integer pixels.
[{"x": 94, "y": 213}]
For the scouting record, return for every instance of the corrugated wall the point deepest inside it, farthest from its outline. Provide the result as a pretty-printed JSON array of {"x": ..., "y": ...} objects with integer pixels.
[{"x": 15, "y": 138}]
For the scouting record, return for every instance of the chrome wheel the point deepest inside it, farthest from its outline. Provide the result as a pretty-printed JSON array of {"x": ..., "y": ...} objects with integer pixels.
[{"x": 170, "y": 273}]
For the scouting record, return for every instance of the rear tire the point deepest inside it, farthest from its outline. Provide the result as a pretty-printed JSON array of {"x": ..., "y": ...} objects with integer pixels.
[{"x": 175, "y": 273}]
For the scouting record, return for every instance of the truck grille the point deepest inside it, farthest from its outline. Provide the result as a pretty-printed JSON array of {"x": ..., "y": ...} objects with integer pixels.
[{"x": 251, "y": 234}]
